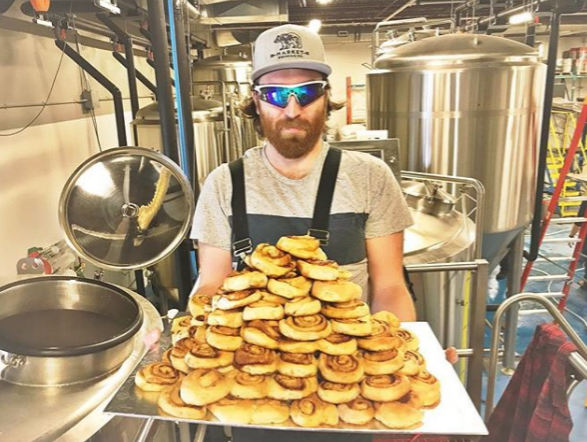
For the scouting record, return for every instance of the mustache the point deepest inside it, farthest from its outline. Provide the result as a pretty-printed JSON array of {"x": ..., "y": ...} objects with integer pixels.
[{"x": 293, "y": 124}]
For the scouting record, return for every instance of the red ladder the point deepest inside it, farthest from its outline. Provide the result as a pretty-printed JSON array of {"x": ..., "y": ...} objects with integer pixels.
[{"x": 569, "y": 158}]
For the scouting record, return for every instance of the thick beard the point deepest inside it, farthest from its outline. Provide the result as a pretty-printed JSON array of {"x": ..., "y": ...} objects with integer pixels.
[{"x": 293, "y": 146}]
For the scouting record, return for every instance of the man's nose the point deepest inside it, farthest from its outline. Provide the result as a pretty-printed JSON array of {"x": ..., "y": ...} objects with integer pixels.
[{"x": 293, "y": 108}]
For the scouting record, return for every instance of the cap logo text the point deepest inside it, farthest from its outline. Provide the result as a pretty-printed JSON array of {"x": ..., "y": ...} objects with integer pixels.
[{"x": 291, "y": 46}]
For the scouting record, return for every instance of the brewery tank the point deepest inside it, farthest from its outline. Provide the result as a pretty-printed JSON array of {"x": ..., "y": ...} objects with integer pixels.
[{"x": 466, "y": 105}]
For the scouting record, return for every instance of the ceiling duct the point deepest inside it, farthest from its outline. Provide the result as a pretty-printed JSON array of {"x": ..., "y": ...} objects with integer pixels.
[{"x": 218, "y": 12}]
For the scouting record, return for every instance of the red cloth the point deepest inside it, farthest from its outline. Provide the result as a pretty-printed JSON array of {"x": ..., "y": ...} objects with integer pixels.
[{"x": 534, "y": 406}]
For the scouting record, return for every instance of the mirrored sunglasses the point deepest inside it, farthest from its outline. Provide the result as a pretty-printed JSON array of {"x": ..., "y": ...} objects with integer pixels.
[{"x": 278, "y": 95}]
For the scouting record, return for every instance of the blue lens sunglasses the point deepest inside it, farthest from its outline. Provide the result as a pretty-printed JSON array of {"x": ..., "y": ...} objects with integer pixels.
[{"x": 278, "y": 95}]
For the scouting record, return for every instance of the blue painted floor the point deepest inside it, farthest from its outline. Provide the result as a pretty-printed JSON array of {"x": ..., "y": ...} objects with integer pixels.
[{"x": 577, "y": 303}]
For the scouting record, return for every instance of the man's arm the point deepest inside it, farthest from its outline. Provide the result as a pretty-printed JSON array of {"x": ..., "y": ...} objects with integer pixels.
[
  {"x": 214, "y": 265},
  {"x": 386, "y": 278}
]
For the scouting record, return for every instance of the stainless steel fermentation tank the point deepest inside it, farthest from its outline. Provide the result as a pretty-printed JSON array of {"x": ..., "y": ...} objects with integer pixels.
[{"x": 470, "y": 106}]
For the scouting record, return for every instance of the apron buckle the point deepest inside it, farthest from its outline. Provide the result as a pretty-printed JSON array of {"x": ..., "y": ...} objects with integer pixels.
[{"x": 322, "y": 235}]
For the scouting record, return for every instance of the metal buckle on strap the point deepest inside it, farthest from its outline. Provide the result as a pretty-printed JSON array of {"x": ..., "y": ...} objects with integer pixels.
[
  {"x": 242, "y": 247},
  {"x": 322, "y": 235}
]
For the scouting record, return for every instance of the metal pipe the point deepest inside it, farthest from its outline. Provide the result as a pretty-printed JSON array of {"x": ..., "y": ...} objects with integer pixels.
[
  {"x": 130, "y": 67},
  {"x": 544, "y": 134},
  {"x": 152, "y": 64},
  {"x": 558, "y": 317},
  {"x": 515, "y": 258},
  {"x": 25, "y": 105},
  {"x": 100, "y": 78},
  {"x": 161, "y": 64},
  {"x": 140, "y": 76}
]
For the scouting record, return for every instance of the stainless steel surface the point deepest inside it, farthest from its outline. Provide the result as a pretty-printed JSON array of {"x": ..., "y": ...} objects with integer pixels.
[
  {"x": 428, "y": 198},
  {"x": 61, "y": 364},
  {"x": 455, "y": 416},
  {"x": 514, "y": 278},
  {"x": 233, "y": 69},
  {"x": 516, "y": 299},
  {"x": 71, "y": 413},
  {"x": 466, "y": 105},
  {"x": 126, "y": 208},
  {"x": 476, "y": 313}
]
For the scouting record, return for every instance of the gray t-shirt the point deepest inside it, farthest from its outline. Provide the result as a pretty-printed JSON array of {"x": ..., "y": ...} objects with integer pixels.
[{"x": 367, "y": 203}]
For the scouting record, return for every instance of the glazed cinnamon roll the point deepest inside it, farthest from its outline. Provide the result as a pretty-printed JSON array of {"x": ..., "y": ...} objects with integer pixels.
[
  {"x": 178, "y": 353},
  {"x": 411, "y": 340},
  {"x": 312, "y": 412},
  {"x": 383, "y": 362},
  {"x": 271, "y": 261},
  {"x": 263, "y": 333},
  {"x": 413, "y": 363},
  {"x": 290, "y": 287},
  {"x": 339, "y": 291},
  {"x": 320, "y": 270},
  {"x": 398, "y": 415},
  {"x": 227, "y": 318},
  {"x": 346, "y": 310},
  {"x": 305, "y": 328},
  {"x": 299, "y": 365},
  {"x": 338, "y": 344},
  {"x": 204, "y": 386},
  {"x": 249, "y": 386},
  {"x": 388, "y": 317},
  {"x": 303, "y": 306},
  {"x": 385, "y": 387},
  {"x": 232, "y": 410},
  {"x": 269, "y": 411},
  {"x": 244, "y": 280},
  {"x": 171, "y": 403},
  {"x": 263, "y": 309},
  {"x": 206, "y": 356},
  {"x": 223, "y": 338},
  {"x": 357, "y": 412},
  {"x": 343, "y": 369},
  {"x": 354, "y": 327},
  {"x": 199, "y": 304},
  {"x": 286, "y": 388},
  {"x": 255, "y": 359},
  {"x": 157, "y": 376},
  {"x": 427, "y": 387},
  {"x": 303, "y": 247},
  {"x": 234, "y": 300},
  {"x": 334, "y": 393},
  {"x": 381, "y": 338}
]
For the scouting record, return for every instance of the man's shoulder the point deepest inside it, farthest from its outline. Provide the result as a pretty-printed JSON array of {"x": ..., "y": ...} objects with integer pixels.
[{"x": 363, "y": 161}]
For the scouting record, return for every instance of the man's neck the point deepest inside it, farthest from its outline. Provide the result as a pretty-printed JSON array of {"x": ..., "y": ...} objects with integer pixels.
[{"x": 294, "y": 169}]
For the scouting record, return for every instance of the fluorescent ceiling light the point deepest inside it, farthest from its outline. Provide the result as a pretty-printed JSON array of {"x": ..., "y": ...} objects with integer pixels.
[
  {"x": 315, "y": 25},
  {"x": 522, "y": 17},
  {"x": 323, "y": 2}
]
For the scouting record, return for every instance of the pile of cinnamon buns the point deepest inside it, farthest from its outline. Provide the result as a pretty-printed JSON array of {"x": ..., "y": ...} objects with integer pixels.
[{"x": 289, "y": 338}]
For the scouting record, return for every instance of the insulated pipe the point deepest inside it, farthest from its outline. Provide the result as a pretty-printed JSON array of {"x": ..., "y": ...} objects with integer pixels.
[
  {"x": 158, "y": 31},
  {"x": 130, "y": 66},
  {"x": 146, "y": 82},
  {"x": 152, "y": 64},
  {"x": 544, "y": 134},
  {"x": 100, "y": 78}
]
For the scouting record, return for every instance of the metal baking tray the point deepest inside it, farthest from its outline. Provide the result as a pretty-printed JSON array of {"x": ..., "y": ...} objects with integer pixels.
[{"x": 455, "y": 415}]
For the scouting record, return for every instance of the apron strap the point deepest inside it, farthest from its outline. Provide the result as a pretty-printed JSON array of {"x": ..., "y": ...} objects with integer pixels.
[{"x": 242, "y": 243}]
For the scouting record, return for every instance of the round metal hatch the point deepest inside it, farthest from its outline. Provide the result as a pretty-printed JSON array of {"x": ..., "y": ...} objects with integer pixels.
[{"x": 126, "y": 208}]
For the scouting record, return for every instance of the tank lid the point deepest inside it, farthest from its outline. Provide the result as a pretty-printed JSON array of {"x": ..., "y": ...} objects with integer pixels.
[
  {"x": 200, "y": 109},
  {"x": 457, "y": 49}
]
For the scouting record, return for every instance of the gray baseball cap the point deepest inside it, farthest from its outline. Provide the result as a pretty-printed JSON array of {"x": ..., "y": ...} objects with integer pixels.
[{"x": 288, "y": 47}]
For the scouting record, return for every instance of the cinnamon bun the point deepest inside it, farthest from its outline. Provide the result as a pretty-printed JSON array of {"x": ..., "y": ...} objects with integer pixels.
[
  {"x": 381, "y": 338},
  {"x": 223, "y": 338},
  {"x": 303, "y": 306},
  {"x": 339, "y": 291},
  {"x": 338, "y": 344},
  {"x": 180, "y": 323},
  {"x": 338, "y": 393},
  {"x": 320, "y": 270},
  {"x": 286, "y": 388},
  {"x": 255, "y": 359},
  {"x": 231, "y": 410},
  {"x": 312, "y": 412},
  {"x": 244, "y": 280},
  {"x": 263, "y": 333},
  {"x": 290, "y": 287},
  {"x": 387, "y": 317},
  {"x": 293, "y": 346},
  {"x": 263, "y": 309},
  {"x": 206, "y": 356},
  {"x": 199, "y": 304},
  {"x": 234, "y": 300},
  {"x": 249, "y": 386},
  {"x": 398, "y": 415},
  {"x": 427, "y": 387},
  {"x": 203, "y": 386},
  {"x": 346, "y": 310},
  {"x": 157, "y": 376},
  {"x": 385, "y": 387},
  {"x": 342, "y": 369},
  {"x": 354, "y": 327},
  {"x": 411, "y": 340},
  {"x": 171, "y": 403},
  {"x": 178, "y": 353},
  {"x": 227, "y": 318},
  {"x": 383, "y": 362},
  {"x": 269, "y": 411},
  {"x": 413, "y": 363},
  {"x": 271, "y": 261},
  {"x": 305, "y": 328},
  {"x": 299, "y": 365},
  {"x": 303, "y": 247},
  {"x": 357, "y": 412}
]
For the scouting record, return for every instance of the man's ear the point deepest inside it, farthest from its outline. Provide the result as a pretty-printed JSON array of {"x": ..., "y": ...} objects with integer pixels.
[{"x": 256, "y": 98}]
